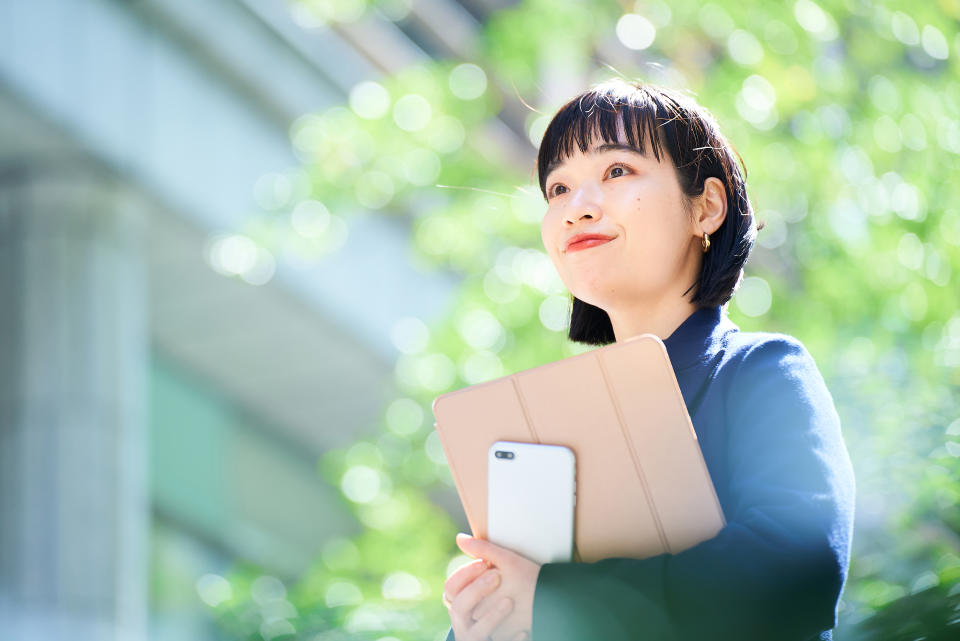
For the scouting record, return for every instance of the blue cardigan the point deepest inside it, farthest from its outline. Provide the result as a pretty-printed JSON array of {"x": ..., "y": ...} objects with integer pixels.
[{"x": 770, "y": 436}]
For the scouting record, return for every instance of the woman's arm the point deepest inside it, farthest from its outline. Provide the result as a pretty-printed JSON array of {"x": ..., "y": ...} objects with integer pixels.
[{"x": 776, "y": 570}]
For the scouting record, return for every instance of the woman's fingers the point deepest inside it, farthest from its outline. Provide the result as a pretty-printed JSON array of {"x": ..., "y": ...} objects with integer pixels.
[
  {"x": 463, "y": 577},
  {"x": 483, "y": 629},
  {"x": 462, "y": 605},
  {"x": 475, "y": 591}
]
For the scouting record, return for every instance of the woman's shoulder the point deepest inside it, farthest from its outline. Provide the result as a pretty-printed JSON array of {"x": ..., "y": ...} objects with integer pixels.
[
  {"x": 768, "y": 354},
  {"x": 763, "y": 370}
]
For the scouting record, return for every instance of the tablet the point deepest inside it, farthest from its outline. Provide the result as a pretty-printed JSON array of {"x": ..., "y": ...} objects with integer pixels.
[{"x": 642, "y": 485}]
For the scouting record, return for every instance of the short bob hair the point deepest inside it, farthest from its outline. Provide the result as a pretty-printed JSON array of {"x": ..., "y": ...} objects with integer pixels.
[{"x": 698, "y": 150}]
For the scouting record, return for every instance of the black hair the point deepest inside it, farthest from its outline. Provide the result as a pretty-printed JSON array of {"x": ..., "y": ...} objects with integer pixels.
[{"x": 691, "y": 137}]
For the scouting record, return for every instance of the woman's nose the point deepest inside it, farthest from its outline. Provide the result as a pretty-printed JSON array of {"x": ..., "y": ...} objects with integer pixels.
[{"x": 586, "y": 202}]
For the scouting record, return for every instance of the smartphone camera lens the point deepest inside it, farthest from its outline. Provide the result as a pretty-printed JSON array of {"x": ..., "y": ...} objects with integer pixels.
[{"x": 503, "y": 454}]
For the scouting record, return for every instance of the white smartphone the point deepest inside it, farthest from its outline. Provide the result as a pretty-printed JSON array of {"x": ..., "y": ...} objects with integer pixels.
[{"x": 531, "y": 495}]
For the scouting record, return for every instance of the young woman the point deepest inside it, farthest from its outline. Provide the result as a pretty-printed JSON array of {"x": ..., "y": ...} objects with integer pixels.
[{"x": 649, "y": 225}]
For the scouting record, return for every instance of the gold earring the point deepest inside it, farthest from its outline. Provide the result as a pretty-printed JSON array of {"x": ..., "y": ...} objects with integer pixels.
[{"x": 705, "y": 242}]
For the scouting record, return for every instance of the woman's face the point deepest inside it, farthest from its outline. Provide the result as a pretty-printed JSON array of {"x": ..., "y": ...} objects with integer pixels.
[{"x": 654, "y": 253}]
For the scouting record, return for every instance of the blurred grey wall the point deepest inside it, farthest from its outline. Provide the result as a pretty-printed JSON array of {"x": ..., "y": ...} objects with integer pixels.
[
  {"x": 160, "y": 420},
  {"x": 73, "y": 335}
]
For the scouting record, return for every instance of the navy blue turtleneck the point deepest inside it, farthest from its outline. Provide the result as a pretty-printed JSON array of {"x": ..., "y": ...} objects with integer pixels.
[{"x": 771, "y": 439}]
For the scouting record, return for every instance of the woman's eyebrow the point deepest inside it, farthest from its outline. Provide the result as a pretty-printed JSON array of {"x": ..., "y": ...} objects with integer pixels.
[
  {"x": 615, "y": 146},
  {"x": 608, "y": 146}
]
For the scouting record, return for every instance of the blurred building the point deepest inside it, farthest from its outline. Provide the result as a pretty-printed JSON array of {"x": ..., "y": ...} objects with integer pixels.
[{"x": 158, "y": 419}]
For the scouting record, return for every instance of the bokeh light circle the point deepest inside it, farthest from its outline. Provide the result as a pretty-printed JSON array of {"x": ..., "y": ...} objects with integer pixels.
[
  {"x": 635, "y": 31},
  {"x": 369, "y": 100},
  {"x": 412, "y": 112},
  {"x": 468, "y": 81},
  {"x": 754, "y": 296},
  {"x": 360, "y": 484}
]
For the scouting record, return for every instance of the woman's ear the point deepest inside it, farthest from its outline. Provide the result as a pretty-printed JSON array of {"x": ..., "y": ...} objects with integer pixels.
[{"x": 712, "y": 205}]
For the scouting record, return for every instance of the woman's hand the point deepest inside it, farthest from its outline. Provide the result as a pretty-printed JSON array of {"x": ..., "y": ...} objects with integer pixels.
[{"x": 501, "y": 609}]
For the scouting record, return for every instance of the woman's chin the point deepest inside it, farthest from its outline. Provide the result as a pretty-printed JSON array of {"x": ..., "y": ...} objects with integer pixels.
[{"x": 592, "y": 298}]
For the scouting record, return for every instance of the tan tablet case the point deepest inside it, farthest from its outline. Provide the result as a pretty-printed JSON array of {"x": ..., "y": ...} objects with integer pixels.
[{"x": 642, "y": 485}]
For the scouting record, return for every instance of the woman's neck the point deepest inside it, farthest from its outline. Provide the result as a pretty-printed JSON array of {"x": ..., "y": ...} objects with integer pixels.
[{"x": 660, "y": 320}]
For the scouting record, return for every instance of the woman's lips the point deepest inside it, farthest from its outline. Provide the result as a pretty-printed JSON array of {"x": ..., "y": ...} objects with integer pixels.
[{"x": 587, "y": 244}]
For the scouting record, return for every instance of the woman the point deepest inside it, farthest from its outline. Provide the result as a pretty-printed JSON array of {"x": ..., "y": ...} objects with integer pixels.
[{"x": 649, "y": 226}]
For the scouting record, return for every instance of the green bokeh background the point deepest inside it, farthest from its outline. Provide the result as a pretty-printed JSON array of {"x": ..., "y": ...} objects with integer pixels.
[{"x": 847, "y": 116}]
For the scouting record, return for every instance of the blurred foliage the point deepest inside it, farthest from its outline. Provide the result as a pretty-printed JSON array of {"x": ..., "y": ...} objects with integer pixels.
[{"x": 847, "y": 116}]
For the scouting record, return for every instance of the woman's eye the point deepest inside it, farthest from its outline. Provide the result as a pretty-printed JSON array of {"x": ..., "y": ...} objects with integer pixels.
[
  {"x": 623, "y": 170},
  {"x": 614, "y": 172}
]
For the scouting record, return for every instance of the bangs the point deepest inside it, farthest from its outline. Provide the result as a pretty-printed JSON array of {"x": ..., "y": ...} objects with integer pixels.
[{"x": 596, "y": 118}]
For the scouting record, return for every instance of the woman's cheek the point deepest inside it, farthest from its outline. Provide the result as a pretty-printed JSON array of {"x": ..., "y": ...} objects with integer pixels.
[
  {"x": 549, "y": 233},
  {"x": 546, "y": 234}
]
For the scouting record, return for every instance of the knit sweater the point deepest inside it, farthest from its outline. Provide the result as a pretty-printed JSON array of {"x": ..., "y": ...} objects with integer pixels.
[{"x": 771, "y": 439}]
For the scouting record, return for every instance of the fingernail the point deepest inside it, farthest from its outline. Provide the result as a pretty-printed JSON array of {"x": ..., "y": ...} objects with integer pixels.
[{"x": 463, "y": 535}]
